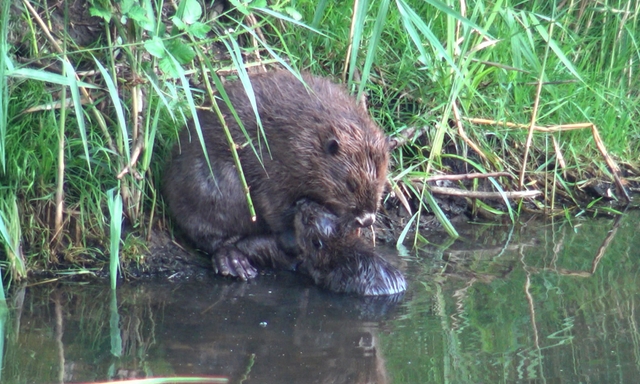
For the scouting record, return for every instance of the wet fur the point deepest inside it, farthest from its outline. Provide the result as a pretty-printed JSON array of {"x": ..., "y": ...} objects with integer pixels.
[
  {"x": 321, "y": 146},
  {"x": 337, "y": 259}
]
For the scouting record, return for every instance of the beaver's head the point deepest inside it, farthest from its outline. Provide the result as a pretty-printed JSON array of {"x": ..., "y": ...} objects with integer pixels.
[{"x": 351, "y": 173}]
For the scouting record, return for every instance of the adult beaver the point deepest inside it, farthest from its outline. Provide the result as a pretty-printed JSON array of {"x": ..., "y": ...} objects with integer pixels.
[
  {"x": 337, "y": 259},
  {"x": 318, "y": 144}
]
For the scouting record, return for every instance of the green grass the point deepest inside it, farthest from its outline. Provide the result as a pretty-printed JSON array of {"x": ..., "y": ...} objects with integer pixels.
[{"x": 415, "y": 61}]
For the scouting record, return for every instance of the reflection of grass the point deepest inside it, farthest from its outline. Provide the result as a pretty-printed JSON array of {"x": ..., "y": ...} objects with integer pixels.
[
  {"x": 4, "y": 317},
  {"x": 74, "y": 321},
  {"x": 482, "y": 330}
]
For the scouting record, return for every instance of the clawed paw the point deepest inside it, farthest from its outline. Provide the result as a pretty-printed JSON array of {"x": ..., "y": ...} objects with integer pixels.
[{"x": 229, "y": 261}]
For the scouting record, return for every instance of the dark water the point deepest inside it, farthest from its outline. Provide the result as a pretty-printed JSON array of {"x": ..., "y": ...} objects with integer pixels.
[{"x": 538, "y": 303}]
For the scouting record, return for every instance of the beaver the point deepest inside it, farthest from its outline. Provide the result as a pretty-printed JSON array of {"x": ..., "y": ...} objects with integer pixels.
[
  {"x": 337, "y": 259},
  {"x": 316, "y": 143}
]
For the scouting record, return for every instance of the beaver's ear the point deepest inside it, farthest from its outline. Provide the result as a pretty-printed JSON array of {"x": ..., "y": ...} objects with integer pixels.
[
  {"x": 332, "y": 146},
  {"x": 392, "y": 143}
]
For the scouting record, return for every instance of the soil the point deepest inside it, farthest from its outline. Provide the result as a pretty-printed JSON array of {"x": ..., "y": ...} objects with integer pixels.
[{"x": 173, "y": 257}]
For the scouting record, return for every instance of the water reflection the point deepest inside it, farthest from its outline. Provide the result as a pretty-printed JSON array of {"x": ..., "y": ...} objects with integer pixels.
[
  {"x": 278, "y": 329},
  {"x": 541, "y": 302}
]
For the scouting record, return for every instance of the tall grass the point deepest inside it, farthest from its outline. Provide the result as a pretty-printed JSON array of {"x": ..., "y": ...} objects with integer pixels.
[{"x": 428, "y": 66}]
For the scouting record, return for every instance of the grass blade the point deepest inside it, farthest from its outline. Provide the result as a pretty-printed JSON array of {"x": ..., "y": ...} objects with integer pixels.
[
  {"x": 373, "y": 45},
  {"x": 4, "y": 89},
  {"x": 412, "y": 21},
  {"x": 442, "y": 218},
  {"x": 48, "y": 77},
  {"x": 77, "y": 105},
  {"x": 4, "y": 318},
  {"x": 554, "y": 47},
  {"x": 114, "y": 202},
  {"x": 117, "y": 105},
  {"x": 11, "y": 234},
  {"x": 357, "y": 29}
]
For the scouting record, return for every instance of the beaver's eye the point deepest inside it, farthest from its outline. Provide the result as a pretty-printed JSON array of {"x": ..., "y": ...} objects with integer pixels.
[
  {"x": 332, "y": 146},
  {"x": 317, "y": 243}
]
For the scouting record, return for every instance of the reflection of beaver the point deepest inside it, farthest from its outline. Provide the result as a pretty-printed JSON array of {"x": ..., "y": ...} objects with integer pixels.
[
  {"x": 318, "y": 144},
  {"x": 339, "y": 260}
]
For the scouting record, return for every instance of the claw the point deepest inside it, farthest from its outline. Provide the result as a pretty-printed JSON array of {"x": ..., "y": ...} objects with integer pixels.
[{"x": 229, "y": 261}]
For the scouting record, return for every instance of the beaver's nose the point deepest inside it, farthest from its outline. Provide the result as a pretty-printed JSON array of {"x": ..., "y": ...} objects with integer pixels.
[{"x": 366, "y": 220}]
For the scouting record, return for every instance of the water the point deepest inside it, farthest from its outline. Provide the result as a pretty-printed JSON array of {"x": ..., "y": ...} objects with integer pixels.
[{"x": 541, "y": 303}]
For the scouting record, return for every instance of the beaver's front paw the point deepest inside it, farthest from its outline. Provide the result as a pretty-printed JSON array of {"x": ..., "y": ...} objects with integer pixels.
[{"x": 229, "y": 261}]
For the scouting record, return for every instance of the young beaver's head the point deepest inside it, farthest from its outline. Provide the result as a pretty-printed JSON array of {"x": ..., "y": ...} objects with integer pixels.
[{"x": 339, "y": 260}]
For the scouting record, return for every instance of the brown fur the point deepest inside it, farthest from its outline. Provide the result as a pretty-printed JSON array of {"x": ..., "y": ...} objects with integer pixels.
[
  {"x": 337, "y": 259},
  {"x": 320, "y": 145}
]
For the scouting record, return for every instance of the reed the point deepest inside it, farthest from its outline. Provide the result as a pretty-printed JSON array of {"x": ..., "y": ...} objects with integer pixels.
[{"x": 469, "y": 86}]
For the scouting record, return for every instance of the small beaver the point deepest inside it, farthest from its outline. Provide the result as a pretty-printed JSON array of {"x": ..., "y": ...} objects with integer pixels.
[
  {"x": 318, "y": 144},
  {"x": 337, "y": 259}
]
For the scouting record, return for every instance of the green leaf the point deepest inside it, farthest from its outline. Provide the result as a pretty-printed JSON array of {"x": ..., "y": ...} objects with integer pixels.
[
  {"x": 446, "y": 9},
  {"x": 181, "y": 51},
  {"x": 100, "y": 12},
  {"x": 139, "y": 15},
  {"x": 293, "y": 13},
  {"x": 117, "y": 105},
  {"x": 240, "y": 7},
  {"x": 126, "y": 5},
  {"x": 442, "y": 218},
  {"x": 199, "y": 30},
  {"x": 191, "y": 11},
  {"x": 167, "y": 67},
  {"x": 155, "y": 47},
  {"x": 373, "y": 45},
  {"x": 411, "y": 21},
  {"x": 287, "y": 19},
  {"x": 179, "y": 23}
]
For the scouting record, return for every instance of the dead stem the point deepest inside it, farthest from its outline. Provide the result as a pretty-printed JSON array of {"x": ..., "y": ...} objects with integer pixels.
[
  {"x": 532, "y": 307},
  {"x": 605, "y": 244},
  {"x": 59, "y": 179},
  {"x": 534, "y": 113},
  {"x": 401, "y": 194},
  {"x": 484, "y": 195},
  {"x": 349, "y": 47},
  {"x": 463, "y": 134},
  {"x": 135, "y": 153},
  {"x": 613, "y": 167},
  {"x": 467, "y": 176},
  {"x": 404, "y": 136},
  {"x": 135, "y": 113},
  {"x": 254, "y": 23}
]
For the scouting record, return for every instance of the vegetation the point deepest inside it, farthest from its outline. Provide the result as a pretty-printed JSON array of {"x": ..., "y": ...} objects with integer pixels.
[{"x": 90, "y": 107}]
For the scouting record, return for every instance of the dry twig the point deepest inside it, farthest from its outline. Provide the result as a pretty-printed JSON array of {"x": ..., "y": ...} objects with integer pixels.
[
  {"x": 613, "y": 167},
  {"x": 484, "y": 195}
]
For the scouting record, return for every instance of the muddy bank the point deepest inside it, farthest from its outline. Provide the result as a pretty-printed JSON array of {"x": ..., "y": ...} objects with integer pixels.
[{"x": 170, "y": 255}]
